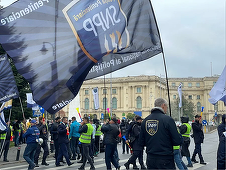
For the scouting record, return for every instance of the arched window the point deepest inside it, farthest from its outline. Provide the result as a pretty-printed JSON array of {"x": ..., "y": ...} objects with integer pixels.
[
  {"x": 105, "y": 103},
  {"x": 114, "y": 103},
  {"x": 198, "y": 107},
  {"x": 139, "y": 102},
  {"x": 216, "y": 107},
  {"x": 86, "y": 104}
]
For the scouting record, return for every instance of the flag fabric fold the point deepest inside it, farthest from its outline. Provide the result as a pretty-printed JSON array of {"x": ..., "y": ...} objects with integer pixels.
[
  {"x": 56, "y": 45},
  {"x": 8, "y": 87},
  {"x": 3, "y": 125},
  {"x": 218, "y": 92},
  {"x": 180, "y": 94}
]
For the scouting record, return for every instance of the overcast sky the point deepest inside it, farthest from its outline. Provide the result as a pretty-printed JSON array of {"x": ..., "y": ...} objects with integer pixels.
[{"x": 193, "y": 37}]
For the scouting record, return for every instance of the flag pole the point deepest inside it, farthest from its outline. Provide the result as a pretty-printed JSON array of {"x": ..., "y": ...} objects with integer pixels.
[
  {"x": 164, "y": 60},
  {"x": 22, "y": 108}
]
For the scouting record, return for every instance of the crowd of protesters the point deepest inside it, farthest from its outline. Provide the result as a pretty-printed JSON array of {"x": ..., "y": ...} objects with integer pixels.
[{"x": 71, "y": 140}]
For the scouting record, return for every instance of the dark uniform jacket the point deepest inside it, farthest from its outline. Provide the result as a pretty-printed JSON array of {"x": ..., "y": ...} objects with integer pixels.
[
  {"x": 197, "y": 132},
  {"x": 62, "y": 136},
  {"x": 111, "y": 132},
  {"x": 159, "y": 134},
  {"x": 43, "y": 131},
  {"x": 54, "y": 131},
  {"x": 135, "y": 131}
]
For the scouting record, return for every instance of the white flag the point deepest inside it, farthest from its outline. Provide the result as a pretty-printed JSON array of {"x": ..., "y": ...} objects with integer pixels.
[
  {"x": 30, "y": 102},
  {"x": 96, "y": 98},
  {"x": 218, "y": 92},
  {"x": 180, "y": 94}
]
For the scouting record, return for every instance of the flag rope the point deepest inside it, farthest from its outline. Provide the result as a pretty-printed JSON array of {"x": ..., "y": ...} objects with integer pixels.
[{"x": 22, "y": 108}]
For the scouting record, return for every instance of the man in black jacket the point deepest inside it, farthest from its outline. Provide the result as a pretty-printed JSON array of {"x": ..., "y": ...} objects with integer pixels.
[
  {"x": 159, "y": 134},
  {"x": 63, "y": 141},
  {"x": 137, "y": 148},
  {"x": 42, "y": 127},
  {"x": 111, "y": 132},
  {"x": 54, "y": 135},
  {"x": 221, "y": 152},
  {"x": 198, "y": 139}
]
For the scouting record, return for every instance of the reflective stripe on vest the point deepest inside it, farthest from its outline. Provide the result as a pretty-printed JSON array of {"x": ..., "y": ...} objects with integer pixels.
[
  {"x": 86, "y": 137},
  {"x": 176, "y": 147},
  {"x": 187, "y": 133},
  {"x": 3, "y": 136},
  {"x": 98, "y": 132}
]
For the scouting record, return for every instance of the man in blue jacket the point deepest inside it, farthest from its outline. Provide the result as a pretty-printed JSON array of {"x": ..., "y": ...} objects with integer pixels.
[
  {"x": 74, "y": 136},
  {"x": 32, "y": 136}
]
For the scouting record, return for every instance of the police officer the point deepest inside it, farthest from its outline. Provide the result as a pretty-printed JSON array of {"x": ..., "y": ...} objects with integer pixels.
[
  {"x": 159, "y": 134},
  {"x": 43, "y": 128},
  {"x": 5, "y": 137},
  {"x": 86, "y": 130},
  {"x": 31, "y": 135},
  {"x": 185, "y": 130}
]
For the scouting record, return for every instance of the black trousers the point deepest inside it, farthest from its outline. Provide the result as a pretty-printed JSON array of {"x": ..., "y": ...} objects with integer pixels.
[
  {"x": 160, "y": 162},
  {"x": 197, "y": 151},
  {"x": 136, "y": 154},
  {"x": 45, "y": 147},
  {"x": 97, "y": 144},
  {"x": 56, "y": 146},
  {"x": 85, "y": 155}
]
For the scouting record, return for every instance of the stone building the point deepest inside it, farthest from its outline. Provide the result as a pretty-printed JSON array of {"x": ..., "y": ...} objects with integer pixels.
[{"x": 136, "y": 94}]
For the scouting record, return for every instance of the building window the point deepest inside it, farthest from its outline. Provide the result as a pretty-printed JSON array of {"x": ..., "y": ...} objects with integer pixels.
[
  {"x": 198, "y": 107},
  {"x": 104, "y": 91},
  {"x": 198, "y": 85},
  {"x": 216, "y": 107},
  {"x": 190, "y": 97},
  {"x": 189, "y": 85},
  {"x": 86, "y": 104},
  {"x": 86, "y": 92},
  {"x": 139, "y": 102},
  {"x": 138, "y": 89},
  {"x": 114, "y": 103},
  {"x": 198, "y": 97},
  {"x": 173, "y": 84},
  {"x": 113, "y": 91},
  {"x": 174, "y": 96},
  {"x": 105, "y": 103}
]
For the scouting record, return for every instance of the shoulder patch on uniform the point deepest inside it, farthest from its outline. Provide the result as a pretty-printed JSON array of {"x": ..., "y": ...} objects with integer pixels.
[{"x": 152, "y": 126}]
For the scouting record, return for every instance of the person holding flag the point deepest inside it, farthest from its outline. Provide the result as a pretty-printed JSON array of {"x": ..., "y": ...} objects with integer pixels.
[{"x": 5, "y": 137}]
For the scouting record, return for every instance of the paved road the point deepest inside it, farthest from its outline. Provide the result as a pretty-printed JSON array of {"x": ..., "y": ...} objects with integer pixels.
[{"x": 209, "y": 150}]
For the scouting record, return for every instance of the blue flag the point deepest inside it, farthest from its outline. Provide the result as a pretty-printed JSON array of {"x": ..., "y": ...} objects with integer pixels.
[
  {"x": 218, "y": 92},
  {"x": 56, "y": 45},
  {"x": 8, "y": 88}
]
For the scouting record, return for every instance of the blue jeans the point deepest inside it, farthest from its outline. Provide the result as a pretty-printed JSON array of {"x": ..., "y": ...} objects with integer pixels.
[
  {"x": 74, "y": 146},
  {"x": 29, "y": 154},
  {"x": 178, "y": 160},
  {"x": 109, "y": 155}
]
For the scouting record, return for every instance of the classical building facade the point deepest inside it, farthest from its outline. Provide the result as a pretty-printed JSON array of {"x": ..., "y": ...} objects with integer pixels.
[{"x": 136, "y": 94}]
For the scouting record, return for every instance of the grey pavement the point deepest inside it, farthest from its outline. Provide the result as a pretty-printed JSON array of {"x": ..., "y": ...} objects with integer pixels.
[{"x": 209, "y": 151}]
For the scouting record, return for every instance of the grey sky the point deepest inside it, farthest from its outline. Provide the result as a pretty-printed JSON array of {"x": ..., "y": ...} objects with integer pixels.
[{"x": 193, "y": 36}]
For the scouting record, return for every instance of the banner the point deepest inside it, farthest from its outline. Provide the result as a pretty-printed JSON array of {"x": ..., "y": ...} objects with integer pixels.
[
  {"x": 96, "y": 98},
  {"x": 218, "y": 92},
  {"x": 56, "y": 45},
  {"x": 180, "y": 94},
  {"x": 6, "y": 105},
  {"x": 8, "y": 88}
]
